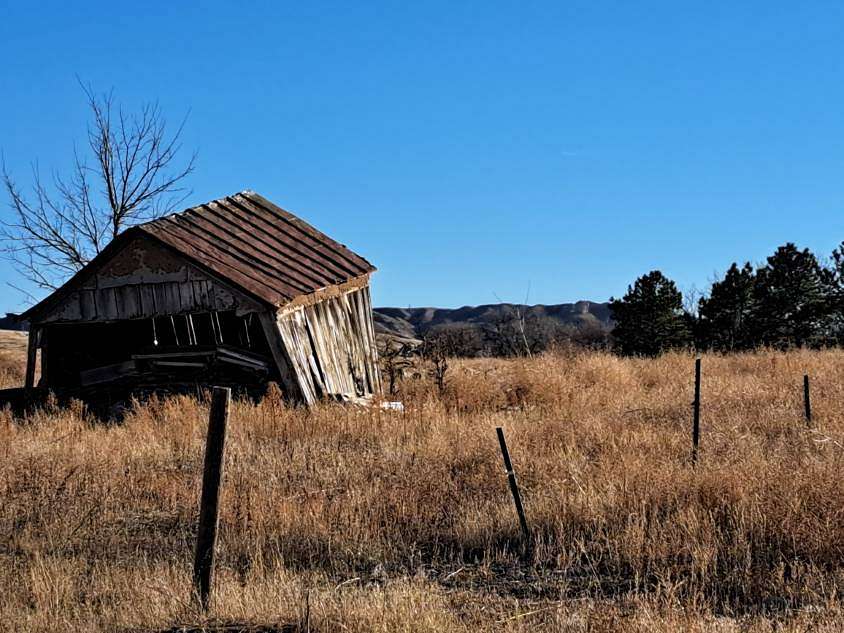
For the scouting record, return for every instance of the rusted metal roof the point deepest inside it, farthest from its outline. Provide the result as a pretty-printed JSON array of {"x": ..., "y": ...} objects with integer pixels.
[
  {"x": 250, "y": 242},
  {"x": 259, "y": 246}
]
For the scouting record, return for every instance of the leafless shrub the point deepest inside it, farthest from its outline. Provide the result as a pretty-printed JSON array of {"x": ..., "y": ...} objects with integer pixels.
[
  {"x": 436, "y": 349},
  {"x": 395, "y": 358}
]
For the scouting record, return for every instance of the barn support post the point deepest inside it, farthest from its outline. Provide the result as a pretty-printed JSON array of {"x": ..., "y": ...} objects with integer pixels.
[{"x": 31, "y": 356}]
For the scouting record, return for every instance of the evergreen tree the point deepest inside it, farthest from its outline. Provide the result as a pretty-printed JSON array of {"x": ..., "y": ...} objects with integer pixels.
[
  {"x": 791, "y": 297},
  {"x": 835, "y": 299},
  {"x": 650, "y": 318},
  {"x": 726, "y": 315}
]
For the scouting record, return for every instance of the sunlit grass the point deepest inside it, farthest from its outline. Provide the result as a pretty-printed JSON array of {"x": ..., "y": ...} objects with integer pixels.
[{"x": 345, "y": 518}]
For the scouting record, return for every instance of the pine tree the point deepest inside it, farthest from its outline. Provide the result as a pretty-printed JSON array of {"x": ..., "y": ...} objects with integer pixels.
[
  {"x": 835, "y": 299},
  {"x": 726, "y": 315},
  {"x": 791, "y": 296},
  {"x": 650, "y": 318}
]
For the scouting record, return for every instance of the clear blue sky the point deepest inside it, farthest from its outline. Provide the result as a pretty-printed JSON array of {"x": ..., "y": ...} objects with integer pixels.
[{"x": 471, "y": 149}]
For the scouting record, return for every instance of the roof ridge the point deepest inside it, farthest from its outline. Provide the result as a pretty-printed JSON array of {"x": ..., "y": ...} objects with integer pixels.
[{"x": 194, "y": 207}]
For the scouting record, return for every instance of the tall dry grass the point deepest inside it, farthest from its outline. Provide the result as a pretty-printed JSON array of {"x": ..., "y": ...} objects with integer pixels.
[
  {"x": 343, "y": 518},
  {"x": 12, "y": 358}
]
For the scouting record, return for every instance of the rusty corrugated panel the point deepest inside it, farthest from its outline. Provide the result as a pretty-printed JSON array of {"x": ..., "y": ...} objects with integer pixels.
[{"x": 260, "y": 247}]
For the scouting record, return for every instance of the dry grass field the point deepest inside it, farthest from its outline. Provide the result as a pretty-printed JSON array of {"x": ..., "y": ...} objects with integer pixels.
[
  {"x": 354, "y": 519},
  {"x": 12, "y": 358}
]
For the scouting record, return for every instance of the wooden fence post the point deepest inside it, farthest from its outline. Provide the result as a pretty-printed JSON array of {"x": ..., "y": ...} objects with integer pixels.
[
  {"x": 696, "y": 413},
  {"x": 807, "y": 403},
  {"x": 206, "y": 538},
  {"x": 514, "y": 487}
]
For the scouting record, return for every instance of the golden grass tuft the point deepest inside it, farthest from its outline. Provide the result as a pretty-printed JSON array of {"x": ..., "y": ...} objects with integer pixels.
[{"x": 344, "y": 518}]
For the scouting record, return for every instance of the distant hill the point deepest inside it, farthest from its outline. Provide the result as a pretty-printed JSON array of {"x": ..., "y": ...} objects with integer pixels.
[
  {"x": 411, "y": 323},
  {"x": 10, "y": 322}
]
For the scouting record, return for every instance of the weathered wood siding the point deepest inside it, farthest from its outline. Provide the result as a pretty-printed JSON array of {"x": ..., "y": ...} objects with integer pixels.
[
  {"x": 144, "y": 280},
  {"x": 323, "y": 343},
  {"x": 331, "y": 346}
]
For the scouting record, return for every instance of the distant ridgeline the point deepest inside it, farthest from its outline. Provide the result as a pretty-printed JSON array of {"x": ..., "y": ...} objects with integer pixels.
[
  {"x": 499, "y": 329},
  {"x": 10, "y": 322}
]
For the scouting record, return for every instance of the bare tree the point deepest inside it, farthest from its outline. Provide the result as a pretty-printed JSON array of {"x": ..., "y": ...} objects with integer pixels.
[
  {"x": 502, "y": 332},
  {"x": 460, "y": 340},
  {"x": 127, "y": 175},
  {"x": 691, "y": 299},
  {"x": 436, "y": 350},
  {"x": 519, "y": 321},
  {"x": 395, "y": 357}
]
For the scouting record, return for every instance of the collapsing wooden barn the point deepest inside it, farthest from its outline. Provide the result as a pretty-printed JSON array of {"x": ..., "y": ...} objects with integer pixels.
[{"x": 236, "y": 291}]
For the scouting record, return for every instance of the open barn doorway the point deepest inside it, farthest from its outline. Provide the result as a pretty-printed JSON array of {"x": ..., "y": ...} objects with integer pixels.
[{"x": 183, "y": 352}]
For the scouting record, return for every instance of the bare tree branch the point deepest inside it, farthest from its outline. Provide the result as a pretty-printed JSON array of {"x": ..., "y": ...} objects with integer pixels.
[{"x": 132, "y": 177}]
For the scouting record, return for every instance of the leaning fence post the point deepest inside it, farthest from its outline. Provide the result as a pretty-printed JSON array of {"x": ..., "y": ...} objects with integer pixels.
[
  {"x": 206, "y": 539},
  {"x": 696, "y": 413},
  {"x": 807, "y": 403},
  {"x": 514, "y": 487}
]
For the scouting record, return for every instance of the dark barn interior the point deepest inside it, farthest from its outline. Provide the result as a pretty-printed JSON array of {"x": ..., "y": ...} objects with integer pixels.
[{"x": 179, "y": 351}]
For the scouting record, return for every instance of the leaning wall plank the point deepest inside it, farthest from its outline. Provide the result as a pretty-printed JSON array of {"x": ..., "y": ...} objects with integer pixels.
[
  {"x": 299, "y": 348},
  {"x": 369, "y": 339},
  {"x": 331, "y": 344},
  {"x": 289, "y": 380}
]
